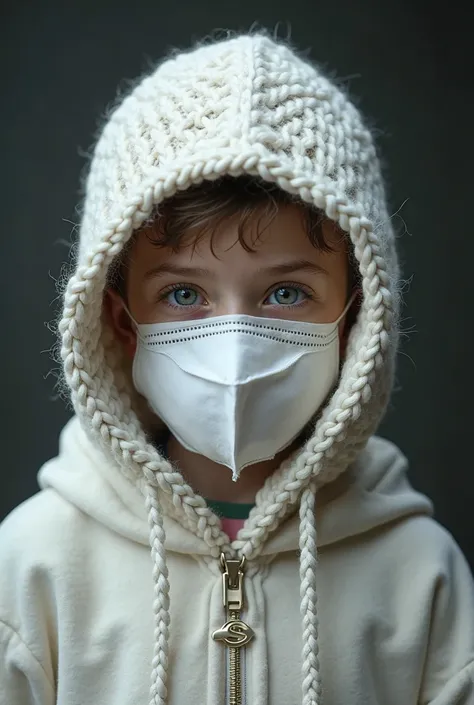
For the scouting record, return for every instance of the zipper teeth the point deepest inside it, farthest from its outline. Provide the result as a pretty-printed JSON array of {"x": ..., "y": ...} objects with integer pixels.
[
  {"x": 235, "y": 684},
  {"x": 235, "y": 692},
  {"x": 243, "y": 677},
  {"x": 235, "y": 634}
]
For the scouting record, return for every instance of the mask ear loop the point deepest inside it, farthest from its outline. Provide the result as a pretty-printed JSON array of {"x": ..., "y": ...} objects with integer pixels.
[
  {"x": 137, "y": 325},
  {"x": 346, "y": 307}
]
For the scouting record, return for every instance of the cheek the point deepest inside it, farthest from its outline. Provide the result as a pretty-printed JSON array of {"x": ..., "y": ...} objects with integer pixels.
[
  {"x": 118, "y": 319},
  {"x": 143, "y": 302},
  {"x": 130, "y": 348}
]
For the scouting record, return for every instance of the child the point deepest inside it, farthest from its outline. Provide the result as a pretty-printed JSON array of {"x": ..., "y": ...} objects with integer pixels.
[{"x": 228, "y": 339}]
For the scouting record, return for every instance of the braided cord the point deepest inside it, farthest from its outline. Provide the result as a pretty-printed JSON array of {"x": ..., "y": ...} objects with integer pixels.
[
  {"x": 161, "y": 601},
  {"x": 311, "y": 683}
]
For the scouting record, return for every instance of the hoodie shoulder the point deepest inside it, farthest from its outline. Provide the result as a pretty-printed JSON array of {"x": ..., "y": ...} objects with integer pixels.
[
  {"x": 383, "y": 481},
  {"x": 38, "y": 529},
  {"x": 39, "y": 517},
  {"x": 380, "y": 463}
]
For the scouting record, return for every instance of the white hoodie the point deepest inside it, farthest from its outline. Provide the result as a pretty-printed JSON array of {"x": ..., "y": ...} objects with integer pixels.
[
  {"x": 396, "y": 597},
  {"x": 354, "y": 595}
]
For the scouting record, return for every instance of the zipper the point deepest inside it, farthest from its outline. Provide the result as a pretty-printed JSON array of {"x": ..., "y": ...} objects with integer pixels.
[{"x": 235, "y": 633}]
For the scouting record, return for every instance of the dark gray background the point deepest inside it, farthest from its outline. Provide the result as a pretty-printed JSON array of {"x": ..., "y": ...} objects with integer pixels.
[{"x": 410, "y": 66}]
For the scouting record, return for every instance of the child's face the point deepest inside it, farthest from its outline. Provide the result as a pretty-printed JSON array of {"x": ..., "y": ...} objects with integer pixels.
[{"x": 285, "y": 277}]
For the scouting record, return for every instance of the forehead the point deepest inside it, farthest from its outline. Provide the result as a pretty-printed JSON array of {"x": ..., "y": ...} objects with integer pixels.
[{"x": 284, "y": 232}]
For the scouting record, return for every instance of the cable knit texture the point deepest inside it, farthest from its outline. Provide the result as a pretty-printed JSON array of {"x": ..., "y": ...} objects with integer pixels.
[{"x": 247, "y": 105}]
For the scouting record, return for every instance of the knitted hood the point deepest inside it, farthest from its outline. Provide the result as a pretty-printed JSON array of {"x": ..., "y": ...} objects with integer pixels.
[{"x": 245, "y": 106}]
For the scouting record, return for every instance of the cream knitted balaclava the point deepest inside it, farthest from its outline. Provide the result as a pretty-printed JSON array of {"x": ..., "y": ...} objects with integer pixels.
[{"x": 244, "y": 106}]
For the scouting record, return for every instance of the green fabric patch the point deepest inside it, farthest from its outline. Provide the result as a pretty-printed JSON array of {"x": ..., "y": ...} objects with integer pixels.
[{"x": 230, "y": 510}]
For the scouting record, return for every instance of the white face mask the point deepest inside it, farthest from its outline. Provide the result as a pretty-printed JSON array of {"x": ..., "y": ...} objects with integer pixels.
[{"x": 236, "y": 389}]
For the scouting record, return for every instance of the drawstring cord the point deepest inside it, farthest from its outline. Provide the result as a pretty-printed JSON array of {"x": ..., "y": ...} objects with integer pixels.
[
  {"x": 311, "y": 683},
  {"x": 161, "y": 601}
]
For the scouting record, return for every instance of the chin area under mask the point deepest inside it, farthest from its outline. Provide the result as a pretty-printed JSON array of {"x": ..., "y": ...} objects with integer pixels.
[{"x": 162, "y": 438}]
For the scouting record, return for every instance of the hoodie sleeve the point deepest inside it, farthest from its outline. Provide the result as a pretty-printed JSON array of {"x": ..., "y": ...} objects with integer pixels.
[
  {"x": 448, "y": 678},
  {"x": 27, "y": 607},
  {"x": 23, "y": 681}
]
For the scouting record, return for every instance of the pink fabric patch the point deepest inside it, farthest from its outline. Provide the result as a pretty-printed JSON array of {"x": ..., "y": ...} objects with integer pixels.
[{"x": 232, "y": 526}]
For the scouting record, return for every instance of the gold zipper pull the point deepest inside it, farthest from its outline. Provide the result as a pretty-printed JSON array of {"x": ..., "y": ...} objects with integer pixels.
[
  {"x": 232, "y": 583},
  {"x": 234, "y": 633}
]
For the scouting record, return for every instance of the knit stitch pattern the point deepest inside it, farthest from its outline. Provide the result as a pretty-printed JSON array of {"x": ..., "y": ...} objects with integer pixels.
[{"x": 244, "y": 106}]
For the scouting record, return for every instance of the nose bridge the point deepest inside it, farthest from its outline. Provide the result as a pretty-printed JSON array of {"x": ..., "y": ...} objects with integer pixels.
[{"x": 235, "y": 299}]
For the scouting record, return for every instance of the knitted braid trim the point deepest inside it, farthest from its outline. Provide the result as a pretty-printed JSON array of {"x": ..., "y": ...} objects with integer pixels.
[
  {"x": 161, "y": 588},
  {"x": 311, "y": 683},
  {"x": 96, "y": 397}
]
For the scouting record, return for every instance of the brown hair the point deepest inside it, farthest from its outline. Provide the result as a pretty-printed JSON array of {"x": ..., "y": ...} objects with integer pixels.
[{"x": 188, "y": 215}]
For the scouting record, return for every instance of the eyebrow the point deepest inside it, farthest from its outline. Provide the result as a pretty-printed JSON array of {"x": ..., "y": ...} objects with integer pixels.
[
  {"x": 299, "y": 265},
  {"x": 163, "y": 269}
]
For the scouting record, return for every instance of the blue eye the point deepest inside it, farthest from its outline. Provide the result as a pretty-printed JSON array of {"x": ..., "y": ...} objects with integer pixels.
[
  {"x": 287, "y": 296},
  {"x": 183, "y": 296}
]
